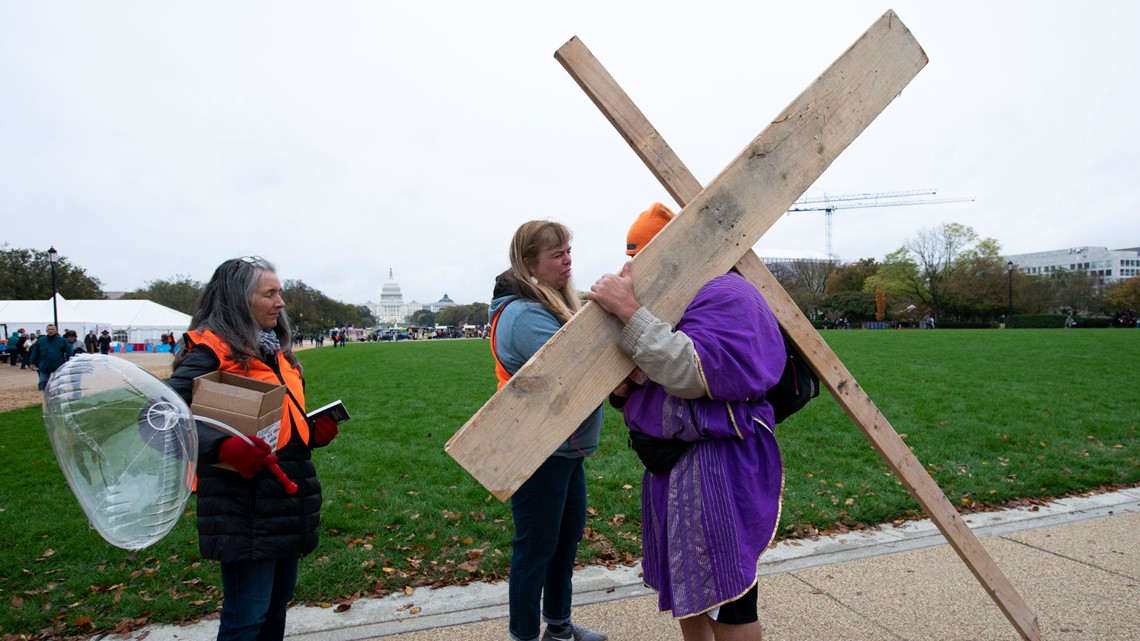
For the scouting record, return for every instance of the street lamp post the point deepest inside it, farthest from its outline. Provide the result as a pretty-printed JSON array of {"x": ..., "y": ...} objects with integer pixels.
[
  {"x": 52, "y": 253},
  {"x": 1009, "y": 310}
]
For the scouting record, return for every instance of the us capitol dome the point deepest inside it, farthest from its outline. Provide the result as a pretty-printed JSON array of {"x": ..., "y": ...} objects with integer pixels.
[{"x": 392, "y": 309}]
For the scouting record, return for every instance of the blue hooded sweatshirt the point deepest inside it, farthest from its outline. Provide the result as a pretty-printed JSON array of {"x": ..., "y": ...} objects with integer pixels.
[{"x": 523, "y": 327}]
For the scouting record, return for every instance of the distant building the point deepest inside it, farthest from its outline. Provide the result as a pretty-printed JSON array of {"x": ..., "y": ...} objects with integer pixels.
[
  {"x": 442, "y": 303},
  {"x": 392, "y": 309},
  {"x": 1110, "y": 264}
]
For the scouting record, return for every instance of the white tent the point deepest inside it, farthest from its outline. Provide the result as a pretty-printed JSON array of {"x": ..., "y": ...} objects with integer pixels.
[{"x": 136, "y": 321}]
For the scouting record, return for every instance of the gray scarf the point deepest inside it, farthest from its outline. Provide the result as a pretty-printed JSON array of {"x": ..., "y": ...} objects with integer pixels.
[{"x": 269, "y": 343}]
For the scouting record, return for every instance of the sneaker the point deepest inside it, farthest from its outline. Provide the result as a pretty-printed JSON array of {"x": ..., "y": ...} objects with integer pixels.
[{"x": 575, "y": 633}]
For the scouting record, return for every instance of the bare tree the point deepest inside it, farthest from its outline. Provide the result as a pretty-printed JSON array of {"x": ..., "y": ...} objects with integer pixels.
[
  {"x": 806, "y": 281},
  {"x": 976, "y": 287},
  {"x": 936, "y": 252},
  {"x": 1076, "y": 291}
]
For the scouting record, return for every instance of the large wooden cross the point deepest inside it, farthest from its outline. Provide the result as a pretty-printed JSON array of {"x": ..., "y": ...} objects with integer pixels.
[{"x": 522, "y": 424}]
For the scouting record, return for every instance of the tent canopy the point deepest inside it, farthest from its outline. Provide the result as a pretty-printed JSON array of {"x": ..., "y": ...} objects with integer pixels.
[{"x": 143, "y": 320}]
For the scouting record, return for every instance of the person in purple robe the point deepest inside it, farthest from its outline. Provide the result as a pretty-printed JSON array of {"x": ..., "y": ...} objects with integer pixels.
[{"x": 698, "y": 419}]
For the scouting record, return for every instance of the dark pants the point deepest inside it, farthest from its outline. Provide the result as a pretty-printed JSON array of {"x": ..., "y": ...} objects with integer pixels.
[
  {"x": 549, "y": 513},
  {"x": 255, "y": 598}
]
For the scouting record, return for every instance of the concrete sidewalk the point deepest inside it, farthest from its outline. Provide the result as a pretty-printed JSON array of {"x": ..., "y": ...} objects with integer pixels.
[{"x": 1076, "y": 562}]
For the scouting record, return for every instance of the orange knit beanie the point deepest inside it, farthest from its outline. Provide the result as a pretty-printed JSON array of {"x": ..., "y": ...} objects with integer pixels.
[{"x": 648, "y": 223}]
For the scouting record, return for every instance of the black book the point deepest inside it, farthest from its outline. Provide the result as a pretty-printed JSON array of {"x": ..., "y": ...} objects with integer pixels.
[{"x": 334, "y": 410}]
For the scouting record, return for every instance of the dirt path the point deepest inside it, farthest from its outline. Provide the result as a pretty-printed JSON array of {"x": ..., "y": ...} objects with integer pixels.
[{"x": 18, "y": 386}]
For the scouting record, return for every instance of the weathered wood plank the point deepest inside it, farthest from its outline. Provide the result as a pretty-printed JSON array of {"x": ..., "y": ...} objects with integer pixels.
[
  {"x": 624, "y": 115},
  {"x": 858, "y": 405},
  {"x": 510, "y": 436},
  {"x": 659, "y": 157}
]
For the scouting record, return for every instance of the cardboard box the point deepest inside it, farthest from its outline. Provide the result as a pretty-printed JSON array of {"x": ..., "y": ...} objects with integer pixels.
[{"x": 237, "y": 401}]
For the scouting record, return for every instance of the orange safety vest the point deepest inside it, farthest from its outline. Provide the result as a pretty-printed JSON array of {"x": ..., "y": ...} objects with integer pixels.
[
  {"x": 501, "y": 372},
  {"x": 292, "y": 413}
]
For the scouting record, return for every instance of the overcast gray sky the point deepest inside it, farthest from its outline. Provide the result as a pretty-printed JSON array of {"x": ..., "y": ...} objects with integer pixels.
[{"x": 340, "y": 139}]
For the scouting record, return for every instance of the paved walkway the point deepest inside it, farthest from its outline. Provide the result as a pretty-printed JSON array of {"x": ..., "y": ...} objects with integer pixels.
[{"x": 1076, "y": 562}]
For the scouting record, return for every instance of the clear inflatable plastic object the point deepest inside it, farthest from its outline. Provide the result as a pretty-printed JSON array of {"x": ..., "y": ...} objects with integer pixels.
[{"x": 127, "y": 445}]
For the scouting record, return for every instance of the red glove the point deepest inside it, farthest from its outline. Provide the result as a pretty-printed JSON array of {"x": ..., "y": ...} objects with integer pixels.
[
  {"x": 324, "y": 431},
  {"x": 247, "y": 459}
]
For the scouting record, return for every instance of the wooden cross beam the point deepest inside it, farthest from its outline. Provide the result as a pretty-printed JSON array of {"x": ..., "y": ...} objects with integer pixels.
[
  {"x": 683, "y": 186},
  {"x": 547, "y": 398},
  {"x": 565, "y": 380}
]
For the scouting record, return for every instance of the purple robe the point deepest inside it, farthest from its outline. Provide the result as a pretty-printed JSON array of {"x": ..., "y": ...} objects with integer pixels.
[{"x": 706, "y": 523}]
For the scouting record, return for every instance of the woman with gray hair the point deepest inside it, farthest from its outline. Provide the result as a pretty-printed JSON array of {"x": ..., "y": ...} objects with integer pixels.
[{"x": 255, "y": 526}]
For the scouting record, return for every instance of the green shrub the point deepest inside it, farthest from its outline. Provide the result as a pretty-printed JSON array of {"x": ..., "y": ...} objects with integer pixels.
[
  {"x": 1037, "y": 321},
  {"x": 1096, "y": 322}
]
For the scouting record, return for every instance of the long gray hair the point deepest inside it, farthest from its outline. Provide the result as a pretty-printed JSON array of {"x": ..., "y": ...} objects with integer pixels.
[{"x": 226, "y": 308}]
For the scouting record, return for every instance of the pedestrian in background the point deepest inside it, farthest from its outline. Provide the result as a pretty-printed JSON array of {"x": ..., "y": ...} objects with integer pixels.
[
  {"x": 72, "y": 337},
  {"x": 48, "y": 354},
  {"x": 23, "y": 341},
  {"x": 14, "y": 346}
]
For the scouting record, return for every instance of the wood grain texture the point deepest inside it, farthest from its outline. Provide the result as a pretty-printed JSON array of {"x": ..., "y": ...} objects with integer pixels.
[
  {"x": 526, "y": 420},
  {"x": 651, "y": 147}
]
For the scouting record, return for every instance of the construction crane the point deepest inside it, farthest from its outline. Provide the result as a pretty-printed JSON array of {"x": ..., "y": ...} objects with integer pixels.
[{"x": 829, "y": 203}]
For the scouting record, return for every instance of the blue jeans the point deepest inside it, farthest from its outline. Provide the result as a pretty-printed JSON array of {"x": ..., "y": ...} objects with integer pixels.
[
  {"x": 44, "y": 376},
  {"x": 255, "y": 597},
  {"x": 549, "y": 513}
]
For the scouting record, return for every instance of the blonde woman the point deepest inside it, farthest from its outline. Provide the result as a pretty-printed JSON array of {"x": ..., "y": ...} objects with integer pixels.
[{"x": 531, "y": 301}]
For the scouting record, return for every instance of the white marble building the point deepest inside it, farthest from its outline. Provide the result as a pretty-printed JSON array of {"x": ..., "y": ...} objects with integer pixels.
[{"x": 392, "y": 309}]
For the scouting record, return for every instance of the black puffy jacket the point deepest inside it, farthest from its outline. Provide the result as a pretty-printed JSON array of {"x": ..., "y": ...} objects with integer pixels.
[{"x": 249, "y": 520}]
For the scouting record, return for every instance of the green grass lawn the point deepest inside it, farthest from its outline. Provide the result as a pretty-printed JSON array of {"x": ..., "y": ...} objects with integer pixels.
[{"x": 995, "y": 416}]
